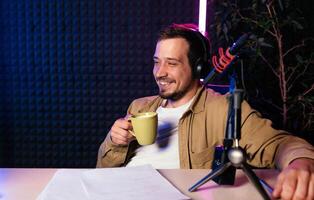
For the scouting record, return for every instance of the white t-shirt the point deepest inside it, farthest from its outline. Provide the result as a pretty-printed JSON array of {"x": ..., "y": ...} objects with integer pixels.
[{"x": 164, "y": 153}]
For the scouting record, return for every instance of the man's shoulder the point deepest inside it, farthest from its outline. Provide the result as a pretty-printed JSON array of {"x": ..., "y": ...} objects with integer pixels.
[
  {"x": 212, "y": 95},
  {"x": 145, "y": 100},
  {"x": 215, "y": 100},
  {"x": 144, "y": 104}
]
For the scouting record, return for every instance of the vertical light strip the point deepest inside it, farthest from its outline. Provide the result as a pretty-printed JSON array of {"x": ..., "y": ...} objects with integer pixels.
[{"x": 202, "y": 16}]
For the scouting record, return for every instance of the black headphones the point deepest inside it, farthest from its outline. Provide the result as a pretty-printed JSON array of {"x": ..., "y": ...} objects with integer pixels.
[{"x": 201, "y": 66}]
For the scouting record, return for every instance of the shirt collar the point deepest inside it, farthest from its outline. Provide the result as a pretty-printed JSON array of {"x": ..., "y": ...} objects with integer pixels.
[{"x": 195, "y": 107}]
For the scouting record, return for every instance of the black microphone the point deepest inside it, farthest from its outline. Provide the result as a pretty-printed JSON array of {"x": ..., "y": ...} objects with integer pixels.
[
  {"x": 236, "y": 46},
  {"x": 233, "y": 50}
]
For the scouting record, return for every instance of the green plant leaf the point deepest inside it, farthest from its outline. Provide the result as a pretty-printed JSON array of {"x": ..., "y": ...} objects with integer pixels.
[
  {"x": 297, "y": 25},
  {"x": 299, "y": 58}
]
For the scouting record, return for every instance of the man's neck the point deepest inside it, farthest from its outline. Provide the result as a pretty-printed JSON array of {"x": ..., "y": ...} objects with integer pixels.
[
  {"x": 169, "y": 103},
  {"x": 174, "y": 104}
]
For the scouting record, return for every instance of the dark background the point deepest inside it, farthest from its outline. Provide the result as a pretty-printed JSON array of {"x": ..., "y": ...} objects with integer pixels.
[{"x": 69, "y": 68}]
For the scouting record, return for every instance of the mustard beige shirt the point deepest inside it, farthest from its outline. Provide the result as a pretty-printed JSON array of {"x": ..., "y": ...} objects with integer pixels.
[{"x": 202, "y": 127}]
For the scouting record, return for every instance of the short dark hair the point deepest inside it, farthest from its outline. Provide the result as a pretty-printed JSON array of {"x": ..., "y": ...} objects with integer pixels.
[{"x": 198, "y": 43}]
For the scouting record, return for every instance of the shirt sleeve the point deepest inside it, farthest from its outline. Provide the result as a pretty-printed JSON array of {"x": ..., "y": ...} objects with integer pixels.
[
  {"x": 268, "y": 147},
  {"x": 110, "y": 154}
]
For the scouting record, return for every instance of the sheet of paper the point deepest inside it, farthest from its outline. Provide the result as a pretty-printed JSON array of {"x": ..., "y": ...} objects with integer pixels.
[
  {"x": 65, "y": 184},
  {"x": 129, "y": 183}
]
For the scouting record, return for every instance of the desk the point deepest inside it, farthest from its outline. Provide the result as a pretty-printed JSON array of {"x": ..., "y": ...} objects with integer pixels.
[{"x": 26, "y": 184}]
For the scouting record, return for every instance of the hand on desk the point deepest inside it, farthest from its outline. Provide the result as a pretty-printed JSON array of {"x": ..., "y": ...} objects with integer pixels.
[{"x": 296, "y": 181}]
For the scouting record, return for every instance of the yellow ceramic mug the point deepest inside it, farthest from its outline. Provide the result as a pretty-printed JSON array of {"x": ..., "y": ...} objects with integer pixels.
[{"x": 144, "y": 127}]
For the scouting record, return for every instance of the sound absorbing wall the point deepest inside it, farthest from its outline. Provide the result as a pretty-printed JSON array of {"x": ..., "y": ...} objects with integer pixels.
[{"x": 70, "y": 68}]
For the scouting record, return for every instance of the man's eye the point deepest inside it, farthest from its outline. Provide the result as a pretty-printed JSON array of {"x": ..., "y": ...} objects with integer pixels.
[{"x": 172, "y": 63}]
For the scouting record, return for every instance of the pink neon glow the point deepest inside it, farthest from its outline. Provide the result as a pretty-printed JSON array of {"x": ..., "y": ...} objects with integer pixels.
[{"x": 202, "y": 16}]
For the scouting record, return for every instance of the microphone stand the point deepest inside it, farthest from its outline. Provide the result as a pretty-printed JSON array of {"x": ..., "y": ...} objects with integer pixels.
[{"x": 232, "y": 156}]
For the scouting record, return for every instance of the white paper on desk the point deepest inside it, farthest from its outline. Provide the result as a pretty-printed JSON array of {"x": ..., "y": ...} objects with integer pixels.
[
  {"x": 65, "y": 184},
  {"x": 129, "y": 183}
]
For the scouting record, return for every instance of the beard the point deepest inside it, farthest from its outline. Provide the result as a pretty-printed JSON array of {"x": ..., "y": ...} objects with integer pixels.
[
  {"x": 173, "y": 95},
  {"x": 176, "y": 94}
]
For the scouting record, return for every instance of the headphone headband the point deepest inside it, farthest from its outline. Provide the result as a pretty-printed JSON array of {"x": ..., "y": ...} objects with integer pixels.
[{"x": 201, "y": 63}]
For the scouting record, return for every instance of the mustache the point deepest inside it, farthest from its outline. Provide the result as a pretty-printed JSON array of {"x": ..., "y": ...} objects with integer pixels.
[{"x": 165, "y": 79}]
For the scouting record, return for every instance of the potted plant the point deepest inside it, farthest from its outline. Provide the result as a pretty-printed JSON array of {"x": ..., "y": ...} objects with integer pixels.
[{"x": 279, "y": 66}]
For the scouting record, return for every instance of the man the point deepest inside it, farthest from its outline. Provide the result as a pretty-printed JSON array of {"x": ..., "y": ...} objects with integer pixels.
[{"x": 192, "y": 121}]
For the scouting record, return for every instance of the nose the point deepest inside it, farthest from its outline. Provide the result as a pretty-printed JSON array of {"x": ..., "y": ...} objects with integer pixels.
[{"x": 160, "y": 70}]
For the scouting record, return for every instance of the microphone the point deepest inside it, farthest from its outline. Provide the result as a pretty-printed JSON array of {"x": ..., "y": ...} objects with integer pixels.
[
  {"x": 226, "y": 59},
  {"x": 236, "y": 46}
]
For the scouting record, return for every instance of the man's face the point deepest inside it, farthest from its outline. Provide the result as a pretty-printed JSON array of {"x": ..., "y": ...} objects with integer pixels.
[{"x": 172, "y": 70}]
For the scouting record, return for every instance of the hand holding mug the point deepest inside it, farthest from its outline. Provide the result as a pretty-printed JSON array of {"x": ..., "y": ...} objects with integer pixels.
[{"x": 119, "y": 132}]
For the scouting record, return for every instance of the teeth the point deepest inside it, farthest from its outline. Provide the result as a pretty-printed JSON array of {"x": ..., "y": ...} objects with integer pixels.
[{"x": 163, "y": 83}]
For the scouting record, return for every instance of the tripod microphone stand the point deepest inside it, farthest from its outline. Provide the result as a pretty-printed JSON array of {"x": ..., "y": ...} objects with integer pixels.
[{"x": 233, "y": 155}]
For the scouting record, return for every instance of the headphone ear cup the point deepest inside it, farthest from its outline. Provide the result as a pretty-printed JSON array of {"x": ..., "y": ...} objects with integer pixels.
[{"x": 198, "y": 68}]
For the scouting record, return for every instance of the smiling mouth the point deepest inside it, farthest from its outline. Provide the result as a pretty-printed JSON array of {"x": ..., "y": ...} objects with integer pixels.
[{"x": 164, "y": 83}]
